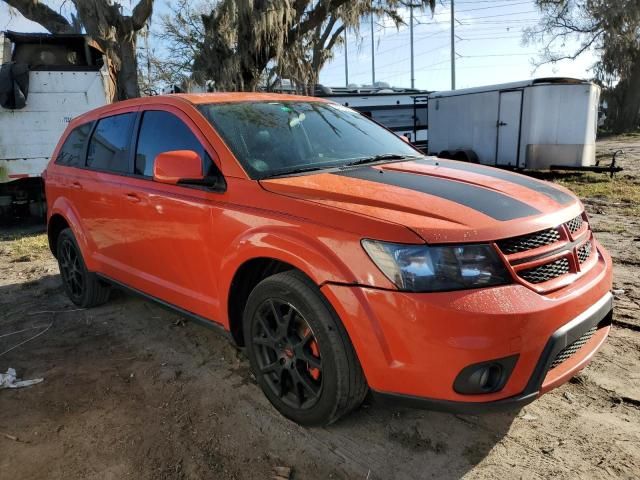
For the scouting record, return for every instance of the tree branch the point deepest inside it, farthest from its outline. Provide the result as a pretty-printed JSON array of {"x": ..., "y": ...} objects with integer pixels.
[
  {"x": 141, "y": 13},
  {"x": 40, "y": 13},
  {"x": 334, "y": 38},
  {"x": 315, "y": 18},
  {"x": 327, "y": 30},
  {"x": 572, "y": 56}
]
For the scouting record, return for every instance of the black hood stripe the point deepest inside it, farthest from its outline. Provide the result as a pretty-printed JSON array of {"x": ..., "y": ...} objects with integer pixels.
[
  {"x": 493, "y": 204},
  {"x": 537, "y": 185}
]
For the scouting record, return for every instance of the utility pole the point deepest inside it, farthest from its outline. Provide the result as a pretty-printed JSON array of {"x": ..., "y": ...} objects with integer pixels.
[
  {"x": 453, "y": 48},
  {"x": 413, "y": 78},
  {"x": 346, "y": 59},
  {"x": 373, "y": 56}
]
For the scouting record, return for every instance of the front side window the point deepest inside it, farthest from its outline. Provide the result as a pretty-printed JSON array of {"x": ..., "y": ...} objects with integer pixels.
[
  {"x": 109, "y": 145},
  {"x": 72, "y": 151},
  {"x": 272, "y": 138},
  {"x": 163, "y": 132}
]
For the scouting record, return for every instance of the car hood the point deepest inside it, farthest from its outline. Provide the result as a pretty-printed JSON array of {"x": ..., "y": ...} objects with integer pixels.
[{"x": 441, "y": 200}]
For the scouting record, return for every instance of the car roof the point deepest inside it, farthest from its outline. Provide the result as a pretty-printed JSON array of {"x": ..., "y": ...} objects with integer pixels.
[
  {"x": 181, "y": 99},
  {"x": 231, "y": 97}
]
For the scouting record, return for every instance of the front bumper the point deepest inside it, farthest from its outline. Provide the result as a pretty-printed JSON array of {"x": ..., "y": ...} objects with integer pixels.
[
  {"x": 413, "y": 346},
  {"x": 599, "y": 316}
]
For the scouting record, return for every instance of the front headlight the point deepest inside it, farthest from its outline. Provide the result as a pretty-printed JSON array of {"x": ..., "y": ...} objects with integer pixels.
[{"x": 424, "y": 268}]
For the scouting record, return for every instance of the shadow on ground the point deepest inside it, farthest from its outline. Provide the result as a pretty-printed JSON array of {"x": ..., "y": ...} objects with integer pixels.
[
  {"x": 134, "y": 389},
  {"x": 19, "y": 227}
]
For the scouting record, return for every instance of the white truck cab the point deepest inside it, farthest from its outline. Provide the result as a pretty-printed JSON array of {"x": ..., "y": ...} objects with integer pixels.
[{"x": 45, "y": 81}]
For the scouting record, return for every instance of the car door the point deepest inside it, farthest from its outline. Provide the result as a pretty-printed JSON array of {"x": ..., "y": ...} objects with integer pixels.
[
  {"x": 168, "y": 227},
  {"x": 98, "y": 190},
  {"x": 509, "y": 128}
]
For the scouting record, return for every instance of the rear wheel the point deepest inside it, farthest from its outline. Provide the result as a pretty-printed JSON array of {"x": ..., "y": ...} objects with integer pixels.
[
  {"x": 300, "y": 352},
  {"x": 83, "y": 287}
]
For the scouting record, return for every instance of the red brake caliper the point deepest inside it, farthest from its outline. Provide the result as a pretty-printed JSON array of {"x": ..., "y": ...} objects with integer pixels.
[{"x": 313, "y": 346}]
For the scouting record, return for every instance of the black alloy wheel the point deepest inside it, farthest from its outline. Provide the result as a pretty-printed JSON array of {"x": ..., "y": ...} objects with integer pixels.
[
  {"x": 83, "y": 287},
  {"x": 300, "y": 352},
  {"x": 71, "y": 268},
  {"x": 287, "y": 353}
]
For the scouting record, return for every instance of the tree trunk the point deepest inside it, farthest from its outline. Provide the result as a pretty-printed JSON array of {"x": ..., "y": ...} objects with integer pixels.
[
  {"x": 249, "y": 80},
  {"x": 627, "y": 113},
  {"x": 127, "y": 75},
  {"x": 251, "y": 68}
]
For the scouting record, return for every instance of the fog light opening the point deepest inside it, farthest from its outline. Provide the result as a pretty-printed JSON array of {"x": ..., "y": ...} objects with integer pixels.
[{"x": 485, "y": 377}]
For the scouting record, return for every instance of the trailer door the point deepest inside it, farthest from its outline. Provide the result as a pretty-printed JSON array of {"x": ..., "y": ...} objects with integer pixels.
[{"x": 509, "y": 128}]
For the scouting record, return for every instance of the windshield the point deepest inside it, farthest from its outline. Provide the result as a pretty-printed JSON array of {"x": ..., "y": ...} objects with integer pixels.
[{"x": 279, "y": 138}]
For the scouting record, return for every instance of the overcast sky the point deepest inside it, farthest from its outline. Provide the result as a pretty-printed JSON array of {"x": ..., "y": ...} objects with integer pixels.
[{"x": 488, "y": 45}]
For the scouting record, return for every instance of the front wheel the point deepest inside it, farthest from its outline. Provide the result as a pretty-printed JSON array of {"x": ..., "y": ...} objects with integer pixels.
[{"x": 300, "y": 352}]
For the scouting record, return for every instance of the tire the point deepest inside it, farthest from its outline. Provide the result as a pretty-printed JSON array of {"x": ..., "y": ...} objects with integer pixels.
[
  {"x": 466, "y": 156},
  {"x": 304, "y": 363},
  {"x": 83, "y": 287}
]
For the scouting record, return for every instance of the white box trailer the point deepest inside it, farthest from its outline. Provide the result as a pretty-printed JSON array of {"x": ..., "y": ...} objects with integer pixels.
[
  {"x": 45, "y": 81},
  {"x": 533, "y": 124}
]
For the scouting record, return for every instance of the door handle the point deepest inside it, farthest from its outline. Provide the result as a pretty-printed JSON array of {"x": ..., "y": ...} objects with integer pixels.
[
  {"x": 76, "y": 185},
  {"x": 501, "y": 124},
  {"x": 132, "y": 197}
]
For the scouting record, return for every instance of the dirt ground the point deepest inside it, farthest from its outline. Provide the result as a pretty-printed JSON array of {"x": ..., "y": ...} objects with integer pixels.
[{"x": 132, "y": 390}]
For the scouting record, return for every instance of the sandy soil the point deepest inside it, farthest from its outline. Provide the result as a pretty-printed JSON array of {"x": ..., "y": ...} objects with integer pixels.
[{"x": 132, "y": 390}]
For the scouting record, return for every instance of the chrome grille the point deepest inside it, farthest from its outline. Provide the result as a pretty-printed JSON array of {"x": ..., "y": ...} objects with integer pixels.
[
  {"x": 575, "y": 224},
  {"x": 584, "y": 252},
  {"x": 569, "y": 350},
  {"x": 543, "y": 273},
  {"x": 529, "y": 241}
]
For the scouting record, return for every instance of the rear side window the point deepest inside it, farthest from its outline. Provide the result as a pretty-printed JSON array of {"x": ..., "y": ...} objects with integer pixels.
[
  {"x": 72, "y": 152},
  {"x": 162, "y": 132},
  {"x": 109, "y": 145}
]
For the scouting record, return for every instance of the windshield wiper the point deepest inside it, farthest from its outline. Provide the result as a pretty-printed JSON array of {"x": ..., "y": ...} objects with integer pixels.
[
  {"x": 360, "y": 161},
  {"x": 379, "y": 158},
  {"x": 293, "y": 171}
]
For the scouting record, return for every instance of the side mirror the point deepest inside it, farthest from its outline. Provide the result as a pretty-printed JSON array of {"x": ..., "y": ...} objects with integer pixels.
[{"x": 178, "y": 166}]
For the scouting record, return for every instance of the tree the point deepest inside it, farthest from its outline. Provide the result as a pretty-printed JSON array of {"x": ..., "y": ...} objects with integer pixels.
[
  {"x": 303, "y": 61},
  {"x": 103, "y": 20},
  {"x": 181, "y": 34},
  {"x": 244, "y": 40},
  {"x": 612, "y": 29}
]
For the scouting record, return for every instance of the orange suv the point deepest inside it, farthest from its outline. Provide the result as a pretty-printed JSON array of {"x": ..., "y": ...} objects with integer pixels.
[{"x": 342, "y": 259}]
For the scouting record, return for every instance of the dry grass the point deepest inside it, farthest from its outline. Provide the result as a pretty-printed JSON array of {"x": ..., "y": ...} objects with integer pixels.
[
  {"x": 25, "y": 248},
  {"x": 622, "y": 191},
  {"x": 615, "y": 229},
  {"x": 607, "y": 135},
  {"x": 631, "y": 135}
]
